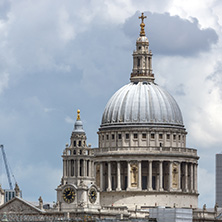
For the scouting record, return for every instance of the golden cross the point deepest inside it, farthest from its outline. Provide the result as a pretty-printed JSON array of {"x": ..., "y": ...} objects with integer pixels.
[
  {"x": 142, "y": 25},
  {"x": 142, "y": 17}
]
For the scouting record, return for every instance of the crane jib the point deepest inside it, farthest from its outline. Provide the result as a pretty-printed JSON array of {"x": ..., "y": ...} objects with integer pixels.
[{"x": 6, "y": 167}]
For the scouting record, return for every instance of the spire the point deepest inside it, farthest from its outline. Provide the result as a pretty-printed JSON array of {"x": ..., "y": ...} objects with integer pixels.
[
  {"x": 142, "y": 57},
  {"x": 142, "y": 25}
]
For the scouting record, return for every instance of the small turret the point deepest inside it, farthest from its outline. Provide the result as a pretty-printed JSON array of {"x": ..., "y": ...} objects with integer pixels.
[{"x": 78, "y": 127}]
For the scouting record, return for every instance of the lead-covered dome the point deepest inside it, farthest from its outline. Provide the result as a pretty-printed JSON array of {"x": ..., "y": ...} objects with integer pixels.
[{"x": 142, "y": 103}]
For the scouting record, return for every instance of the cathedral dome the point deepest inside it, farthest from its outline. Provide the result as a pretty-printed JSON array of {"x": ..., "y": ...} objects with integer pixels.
[{"x": 142, "y": 103}]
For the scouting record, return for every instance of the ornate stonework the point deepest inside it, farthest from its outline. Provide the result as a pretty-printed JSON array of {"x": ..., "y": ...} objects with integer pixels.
[{"x": 134, "y": 174}]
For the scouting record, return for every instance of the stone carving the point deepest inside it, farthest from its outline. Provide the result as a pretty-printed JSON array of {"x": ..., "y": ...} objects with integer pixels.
[
  {"x": 134, "y": 174},
  {"x": 17, "y": 190},
  {"x": 175, "y": 176},
  {"x": 18, "y": 206},
  {"x": 81, "y": 204},
  {"x": 82, "y": 185}
]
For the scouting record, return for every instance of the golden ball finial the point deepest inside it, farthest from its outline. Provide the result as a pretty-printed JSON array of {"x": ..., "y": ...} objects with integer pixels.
[{"x": 78, "y": 114}]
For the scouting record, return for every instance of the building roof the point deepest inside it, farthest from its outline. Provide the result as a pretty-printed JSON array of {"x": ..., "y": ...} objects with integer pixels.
[{"x": 142, "y": 103}]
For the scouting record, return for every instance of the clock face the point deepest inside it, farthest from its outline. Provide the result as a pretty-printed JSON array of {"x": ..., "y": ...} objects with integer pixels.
[
  {"x": 92, "y": 195},
  {"x": 69, "y": 195}
]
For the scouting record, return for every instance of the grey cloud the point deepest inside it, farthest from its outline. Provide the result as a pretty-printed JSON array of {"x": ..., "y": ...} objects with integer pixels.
[
  {"x": 4, "y": 9},
  {"x": 172, "y": 35},
  {"x": 216, "y": 77}
]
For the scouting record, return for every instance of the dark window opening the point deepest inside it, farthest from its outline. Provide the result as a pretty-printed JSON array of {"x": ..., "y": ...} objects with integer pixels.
[
  {"x": 168, "y": 136},
  {"x": 107, "y": 137},
  {"x": 120, "y": 136},
  {"x": 152, "y": 135},
  {"x": 127, "y": 135},
  {"x": 160, "y": 136},
  {"x": 80, "y": 143},
  {"x": 138, "y": 62},
  {"x": 144, "y": 135},
  {"x": 113, "y": 136},
  {"x": 144, "y": 182},
  {"x": 74, "y": 143},
  {"x": 135, "y": 135}
]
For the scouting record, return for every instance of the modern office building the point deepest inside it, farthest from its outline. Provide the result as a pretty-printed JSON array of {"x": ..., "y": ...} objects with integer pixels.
[{"x": 219, "y": 179}]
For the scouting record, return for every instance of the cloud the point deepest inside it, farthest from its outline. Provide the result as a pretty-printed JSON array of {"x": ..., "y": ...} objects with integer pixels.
[
  {"x": 216, "y": 78},
  {"x": 172, "y": 35},
  {"x": 4, "y": 9}
]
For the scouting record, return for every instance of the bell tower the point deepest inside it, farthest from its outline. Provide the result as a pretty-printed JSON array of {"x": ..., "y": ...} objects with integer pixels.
[{"x": 77, "y": 188}]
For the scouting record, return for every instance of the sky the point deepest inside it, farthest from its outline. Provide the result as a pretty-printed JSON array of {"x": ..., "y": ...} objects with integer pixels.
[{"x": 60, "y": 56}]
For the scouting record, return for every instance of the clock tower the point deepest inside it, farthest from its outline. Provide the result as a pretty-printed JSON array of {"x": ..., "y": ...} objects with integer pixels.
[{"x": 78, "y": 190}]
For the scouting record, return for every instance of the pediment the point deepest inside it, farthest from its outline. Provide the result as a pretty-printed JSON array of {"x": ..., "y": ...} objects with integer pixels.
[{"x": 20, "y": 206}]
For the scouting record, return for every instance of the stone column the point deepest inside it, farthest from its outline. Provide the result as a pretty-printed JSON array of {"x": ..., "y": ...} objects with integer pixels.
[
  {"x": 109, "y": 177},
  {"x": 150, "y": 175},
  {"x": 128, "y": 175},
  {"x": 151, "y": 69},
  {"x": 179, "y": 176},
  {"x": 195, "y": 177},
  {"x": 185, "y": 177},
  {"x": 64, "y": 168},
  {"x": 170, "y": 176},
  {"x": 91, "y": 170},
  {"x": 191, "y": 177},
  {"x": 94, "y": 169},
  {"x": 101, "y": 176},
  {"x": 67, "y": 162},
  {"x": 77, "y": 168},
  {"x": 83, "y": 168},
  {"x": 161, "y": 175},
  {"x": 147, "y": 66},
  {"x": 139, "y": 176},
  {"x": 118, "y": 177}
]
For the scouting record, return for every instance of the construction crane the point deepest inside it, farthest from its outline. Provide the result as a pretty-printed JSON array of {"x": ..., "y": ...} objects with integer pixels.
[{"x": 6, "y": 167}]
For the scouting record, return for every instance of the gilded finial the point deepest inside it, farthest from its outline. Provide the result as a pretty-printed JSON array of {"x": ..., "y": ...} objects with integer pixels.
[
  {"x": 78, "y": 114},
  {"x": 142, "y": 25}
]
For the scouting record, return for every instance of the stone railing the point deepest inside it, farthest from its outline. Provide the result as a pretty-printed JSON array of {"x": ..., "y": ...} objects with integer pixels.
[{"x": 146, "y": 150}]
